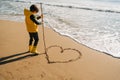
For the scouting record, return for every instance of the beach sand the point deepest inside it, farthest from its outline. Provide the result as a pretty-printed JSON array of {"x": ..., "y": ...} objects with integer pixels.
[{"x": 15, "y": 64}]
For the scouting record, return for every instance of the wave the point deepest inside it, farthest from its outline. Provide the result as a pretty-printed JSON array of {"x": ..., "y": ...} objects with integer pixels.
[
  {"x": 85, "y": 8},
  {"x": 71, "y": 6},
  {"x": 15, "y": 14}
]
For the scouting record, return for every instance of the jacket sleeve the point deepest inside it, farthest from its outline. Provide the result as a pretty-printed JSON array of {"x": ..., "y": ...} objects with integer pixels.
[{"x": 32, "y": 17}]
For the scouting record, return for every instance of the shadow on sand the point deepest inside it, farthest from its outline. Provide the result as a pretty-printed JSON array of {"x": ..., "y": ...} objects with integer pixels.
[
  {"x": 23, "y": 55},
  {"x": 16, "y": 57}
]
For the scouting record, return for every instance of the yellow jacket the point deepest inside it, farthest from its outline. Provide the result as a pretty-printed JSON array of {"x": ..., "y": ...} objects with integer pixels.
[{"x": 31, "y": 26}]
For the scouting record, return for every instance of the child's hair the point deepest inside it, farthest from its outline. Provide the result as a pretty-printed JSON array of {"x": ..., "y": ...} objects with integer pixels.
[{"x": 34, "y": 8}]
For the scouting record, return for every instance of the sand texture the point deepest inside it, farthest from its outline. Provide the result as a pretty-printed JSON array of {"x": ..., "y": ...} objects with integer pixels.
[{"x": 68, "y": 59}]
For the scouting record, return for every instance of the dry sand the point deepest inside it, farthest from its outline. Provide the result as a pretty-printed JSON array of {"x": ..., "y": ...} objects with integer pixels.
[{"x": 15, "y": 64}]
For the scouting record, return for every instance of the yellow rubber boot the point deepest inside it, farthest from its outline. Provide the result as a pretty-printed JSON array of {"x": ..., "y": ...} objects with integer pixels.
[
  {"x": 30, "y": 48},
  {"x": 34, "y": 50}
]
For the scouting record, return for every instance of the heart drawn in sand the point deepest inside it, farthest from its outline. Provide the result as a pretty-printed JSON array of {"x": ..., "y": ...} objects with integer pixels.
[{"x": 56, "y": 54}]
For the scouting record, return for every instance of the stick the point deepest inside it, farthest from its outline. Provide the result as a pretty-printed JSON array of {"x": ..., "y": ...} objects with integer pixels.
[{"x": 47, "y": 57}]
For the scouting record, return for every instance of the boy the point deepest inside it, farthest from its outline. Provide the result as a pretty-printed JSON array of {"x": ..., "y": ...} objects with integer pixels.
[{"x": 32, "y": 28}]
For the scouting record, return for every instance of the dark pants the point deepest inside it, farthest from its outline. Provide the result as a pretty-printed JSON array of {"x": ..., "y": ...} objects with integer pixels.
[{"x": 33, "y": 37}]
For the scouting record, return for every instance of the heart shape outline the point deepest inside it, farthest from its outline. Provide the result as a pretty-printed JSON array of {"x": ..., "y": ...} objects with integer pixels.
[{"x": 62, "y": 51}]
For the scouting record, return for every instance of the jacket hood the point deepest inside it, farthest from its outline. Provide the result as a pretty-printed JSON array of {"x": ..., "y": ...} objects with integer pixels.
[{"x": 27, "y": 12}]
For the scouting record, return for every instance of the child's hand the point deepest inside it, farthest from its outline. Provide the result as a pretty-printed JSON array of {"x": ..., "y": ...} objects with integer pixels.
[
  {"x": 38, "y": 17},
  {"x": 42, "y": 22},
  {"x": 41, "y": 15}
]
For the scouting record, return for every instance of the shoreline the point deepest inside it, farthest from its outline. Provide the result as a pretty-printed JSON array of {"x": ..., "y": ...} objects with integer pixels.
[
  {"x": 84, "y": 44},
  {"x": 109, "y": 53},
  {"x": 92, "y": 65}
]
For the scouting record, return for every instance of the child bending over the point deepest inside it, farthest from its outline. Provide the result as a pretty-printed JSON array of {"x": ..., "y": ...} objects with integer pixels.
[{"x": 32, "y": 27}]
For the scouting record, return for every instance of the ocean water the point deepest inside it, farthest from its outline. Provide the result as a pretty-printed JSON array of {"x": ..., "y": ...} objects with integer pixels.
[{"x": 94, "y": 23}]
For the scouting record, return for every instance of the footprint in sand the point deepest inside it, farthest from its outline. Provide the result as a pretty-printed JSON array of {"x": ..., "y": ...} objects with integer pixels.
[
  {"x": 67, "y": 78},
  {"x": 43, "y": 74},
  {"x": 6, "y": 76},
  {"x": 25, "y": 65},
  {"x": 10, "y": 74},
  {"x": 26, "y": 62},
  {"x": 22, "y": 68},
  {"x": 2, "y": 77}
]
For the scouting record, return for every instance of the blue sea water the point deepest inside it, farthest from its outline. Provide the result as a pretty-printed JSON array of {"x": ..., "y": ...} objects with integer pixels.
[{"x": 94, "y": 23}]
